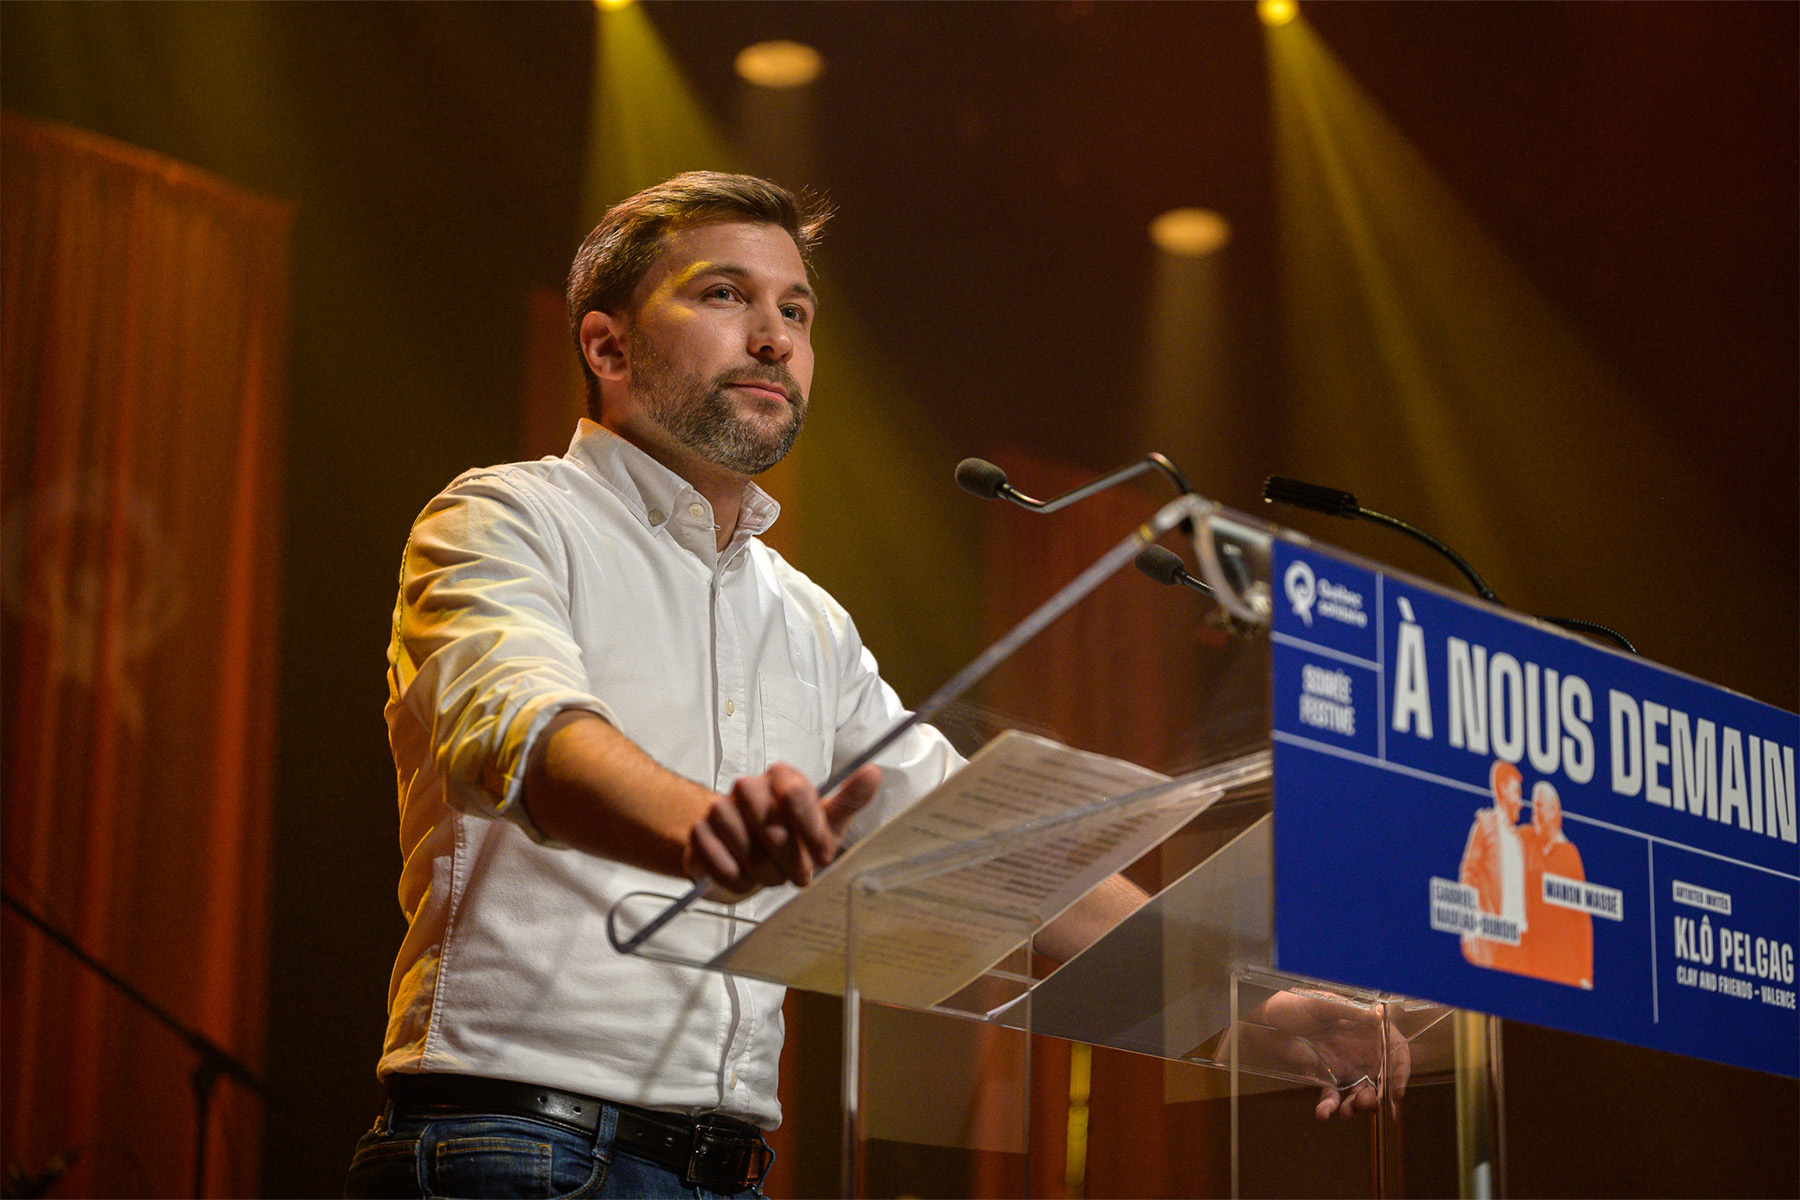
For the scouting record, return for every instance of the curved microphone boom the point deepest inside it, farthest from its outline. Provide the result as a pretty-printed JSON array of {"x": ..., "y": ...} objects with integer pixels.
[
  {"x": 1335, "y": 502},
  {"x": 979, "y": 477}
]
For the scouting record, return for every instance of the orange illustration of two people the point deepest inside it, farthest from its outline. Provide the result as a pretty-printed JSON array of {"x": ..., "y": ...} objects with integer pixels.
[{"x": 1505, "y": 862}]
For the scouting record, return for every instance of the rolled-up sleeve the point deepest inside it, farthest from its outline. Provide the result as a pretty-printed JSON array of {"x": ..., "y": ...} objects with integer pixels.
[{"x": 482, "y": 656}]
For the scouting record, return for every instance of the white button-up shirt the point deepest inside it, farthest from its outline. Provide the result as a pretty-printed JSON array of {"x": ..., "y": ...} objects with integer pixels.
[{"x": 593, "y": 581}]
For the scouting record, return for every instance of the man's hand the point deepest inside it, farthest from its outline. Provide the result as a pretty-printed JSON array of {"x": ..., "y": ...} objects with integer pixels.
[
  {"x": 1356, "y": 1047},
  {"x": 773, "y": 828}
]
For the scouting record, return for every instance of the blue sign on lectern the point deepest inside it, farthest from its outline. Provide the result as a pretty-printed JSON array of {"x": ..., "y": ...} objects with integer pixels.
[{"x": 1475, "y": 809}]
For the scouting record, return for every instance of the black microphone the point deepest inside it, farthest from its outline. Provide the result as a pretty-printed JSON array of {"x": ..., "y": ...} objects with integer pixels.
[
  {"x": 1330, "y": 501},
  {"x": 982, "y": 478},
  {"x": 1166, "y": 567},
  {"x": 1338, "y": 503},
  {"x": 979, "y": 477}
]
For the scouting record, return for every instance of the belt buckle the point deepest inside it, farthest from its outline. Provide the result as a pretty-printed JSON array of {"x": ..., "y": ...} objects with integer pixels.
[{"x": 708, "y": 1136}]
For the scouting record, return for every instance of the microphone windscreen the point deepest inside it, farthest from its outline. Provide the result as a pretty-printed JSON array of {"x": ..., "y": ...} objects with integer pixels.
[
  {"x": 1161, "y": 564},
  {"x": 980, "y": 477},
  {"x": 1331, "y": 501}
]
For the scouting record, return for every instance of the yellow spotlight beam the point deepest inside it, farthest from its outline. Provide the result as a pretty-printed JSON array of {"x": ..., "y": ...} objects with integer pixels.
[
  {"x": 644, "y": 121},
  {"x": 1423, "y": 358},
  {"x": 1187, "y": 411},
  {"x": 1346, "y": 176}
]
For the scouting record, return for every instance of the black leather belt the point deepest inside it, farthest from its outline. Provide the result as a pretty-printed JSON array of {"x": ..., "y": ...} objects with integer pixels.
[{"x": 717, "y": 1153}]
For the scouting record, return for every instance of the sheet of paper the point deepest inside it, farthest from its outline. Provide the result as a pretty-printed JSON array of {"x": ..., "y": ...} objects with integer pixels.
[{"x": 925, "y": 940}]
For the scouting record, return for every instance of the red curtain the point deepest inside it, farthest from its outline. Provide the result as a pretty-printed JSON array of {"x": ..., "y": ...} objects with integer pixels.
[{"x": 143, "y": 317}]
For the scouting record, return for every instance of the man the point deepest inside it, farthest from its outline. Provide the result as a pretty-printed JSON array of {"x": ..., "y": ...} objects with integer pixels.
[
  {"x": 599, "y": 678},
  {"x": 1493, "y": 863}
]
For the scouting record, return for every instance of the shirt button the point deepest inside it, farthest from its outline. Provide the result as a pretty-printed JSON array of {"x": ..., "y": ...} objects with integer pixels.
[
  {"x": 696, "y": 510},
  {"x": 656, "y": 516},
  {"x": 730, "y": 707}
]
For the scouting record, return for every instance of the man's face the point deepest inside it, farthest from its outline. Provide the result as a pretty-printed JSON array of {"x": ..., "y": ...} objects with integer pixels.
[
  {"x": 1507, "y": 792},
  {"x": 719, "y": 347}
]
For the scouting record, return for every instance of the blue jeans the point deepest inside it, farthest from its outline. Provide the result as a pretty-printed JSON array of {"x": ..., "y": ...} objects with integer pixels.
[{"x": 499, "y": 1158}]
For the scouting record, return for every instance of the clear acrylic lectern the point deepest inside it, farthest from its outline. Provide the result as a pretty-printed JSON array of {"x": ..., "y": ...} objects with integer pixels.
[{"x": 938, "y": 948}]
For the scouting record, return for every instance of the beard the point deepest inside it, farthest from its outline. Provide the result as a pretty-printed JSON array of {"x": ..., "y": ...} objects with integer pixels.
[{"x": 703, "y": 415}]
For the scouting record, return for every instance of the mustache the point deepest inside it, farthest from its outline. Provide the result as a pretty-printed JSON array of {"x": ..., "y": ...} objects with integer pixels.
[{"x": 774, "y": 373}]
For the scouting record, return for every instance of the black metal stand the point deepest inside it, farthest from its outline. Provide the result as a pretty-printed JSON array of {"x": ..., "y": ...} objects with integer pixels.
[{"x": 214, "y": 1060}]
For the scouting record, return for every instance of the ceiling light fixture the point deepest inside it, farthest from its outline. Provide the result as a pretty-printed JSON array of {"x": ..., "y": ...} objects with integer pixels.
[
  {"x": 1275, "y": 13},
  {"x": 779, "y": 64},
  {"x": 1190, "y": 232}
]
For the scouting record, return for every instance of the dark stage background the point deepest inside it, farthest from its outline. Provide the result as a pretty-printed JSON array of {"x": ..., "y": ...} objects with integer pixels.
[{"x": 1634, "y": 458}]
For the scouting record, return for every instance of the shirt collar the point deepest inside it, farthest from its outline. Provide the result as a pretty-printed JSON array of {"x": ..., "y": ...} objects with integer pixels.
[{"x": 654, "y": 493}]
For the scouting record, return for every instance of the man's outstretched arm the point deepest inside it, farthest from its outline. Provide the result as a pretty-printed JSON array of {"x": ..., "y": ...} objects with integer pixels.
[{"x": 591, "y": 788}]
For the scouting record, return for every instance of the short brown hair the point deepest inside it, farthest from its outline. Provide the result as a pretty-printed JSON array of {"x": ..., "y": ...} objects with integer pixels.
[{"x": 616, "y": 256}]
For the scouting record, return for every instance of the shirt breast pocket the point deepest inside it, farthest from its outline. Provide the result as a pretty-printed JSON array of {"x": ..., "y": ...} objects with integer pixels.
[{"x": 793, "y": 726}]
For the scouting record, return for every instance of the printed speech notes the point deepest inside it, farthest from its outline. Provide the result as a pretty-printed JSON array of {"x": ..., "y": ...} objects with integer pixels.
[{"x": 926, "y": 932}]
